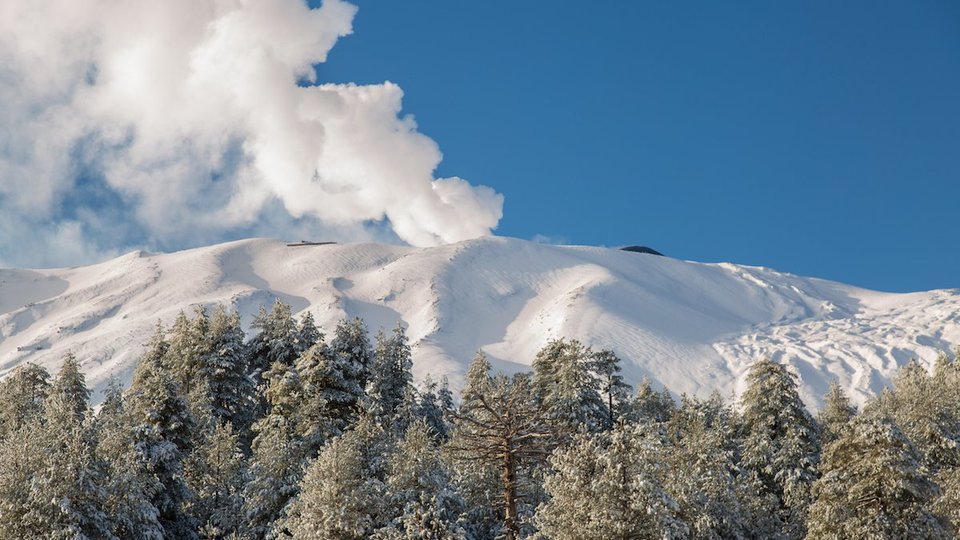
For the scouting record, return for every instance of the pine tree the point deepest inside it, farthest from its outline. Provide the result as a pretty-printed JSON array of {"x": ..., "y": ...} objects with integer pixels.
[
  {"x": 649, "y": 405},
  {"x": 129, "y": 484},
  {"x": 500, "y": 425},
  {"x": 216, "y": 473},
  {"x": 162, "y": 430},
  {"x": 614, "y": 392},
  {"x": 321, "y": 382},
  {"x": 872, "y": 487},
  {"x": 432, "y": 406},
  {"x": 424, "y": 502},
  {"x": 702, "y": 456},
  {"x": 835, "y": 415},
  {"x": 223, "y": 369},
  {"x": 478, "y": 481},
  {"x": 927, "y": 409},
  {"x": 391, "y": 377},
  {"x": 343, "y": 494},
  {"x": 566, "y": 388},
  {"x": 277, "y": 462},
  {"x": 279, "y": 339},
  {"x": 21, "y": 397},
  {"x": 186, "y": 345},
  {"x": 780, "y": 441},
  {"x": 352, "y": 352},
  {"x": 69, "y": 390},
  {"x": 610, "y": 485},
  {"x": 60, "y": 492}
]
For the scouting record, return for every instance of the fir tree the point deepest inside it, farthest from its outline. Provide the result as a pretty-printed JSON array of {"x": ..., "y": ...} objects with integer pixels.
[{"x": 872, "y": 487}]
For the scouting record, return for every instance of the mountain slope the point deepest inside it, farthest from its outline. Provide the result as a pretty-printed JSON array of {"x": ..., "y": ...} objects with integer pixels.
[{"x": 689, "y": 326}]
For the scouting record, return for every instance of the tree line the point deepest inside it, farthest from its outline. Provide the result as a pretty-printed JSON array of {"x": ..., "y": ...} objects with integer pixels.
[{"x": 293, "y": 435}]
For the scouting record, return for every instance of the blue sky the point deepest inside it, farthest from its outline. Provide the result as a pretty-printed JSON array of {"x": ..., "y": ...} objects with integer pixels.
[{"x": 819, "y": 138}]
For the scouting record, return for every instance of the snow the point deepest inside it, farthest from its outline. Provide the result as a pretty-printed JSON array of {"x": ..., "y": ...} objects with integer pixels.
[{"x": 689, "y": 326}]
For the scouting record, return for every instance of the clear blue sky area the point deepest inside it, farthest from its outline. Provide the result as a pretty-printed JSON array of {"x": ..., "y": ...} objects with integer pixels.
[{"x": 819, "y": 137}]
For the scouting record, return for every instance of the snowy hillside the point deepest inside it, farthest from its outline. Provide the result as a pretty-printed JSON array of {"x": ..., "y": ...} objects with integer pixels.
[{"x": 689, "y": 326}]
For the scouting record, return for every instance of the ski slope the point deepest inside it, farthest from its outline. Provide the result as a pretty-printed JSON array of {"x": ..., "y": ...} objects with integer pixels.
[{"x": 689, "y": 326}]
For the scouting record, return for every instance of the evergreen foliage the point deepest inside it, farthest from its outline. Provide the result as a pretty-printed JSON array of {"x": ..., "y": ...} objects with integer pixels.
[
  {"x": 390, "y": 379},
  {"x": 567, "y": 389},
  {"x": 611, "y": 485},
  {"x": 872, "y": 487},
  {"x": 336, "y": 442},
  {"x": 343, "y": 493},
  {"x": 780, "y": 441}
]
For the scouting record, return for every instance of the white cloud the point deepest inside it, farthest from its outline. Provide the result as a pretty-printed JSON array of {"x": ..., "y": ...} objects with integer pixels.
[{"x": 182, "y": 122}]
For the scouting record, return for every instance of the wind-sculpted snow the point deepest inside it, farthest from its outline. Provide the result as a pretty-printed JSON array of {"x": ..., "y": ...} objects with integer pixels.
[{"x": 688, "y": 326}]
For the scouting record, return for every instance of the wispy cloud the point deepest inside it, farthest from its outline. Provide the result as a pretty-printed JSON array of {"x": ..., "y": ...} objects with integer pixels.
[{"x": 162, "y": 124}]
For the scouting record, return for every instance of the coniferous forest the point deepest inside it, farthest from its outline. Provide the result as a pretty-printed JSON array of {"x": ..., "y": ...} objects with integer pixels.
[{"x": 295, "y": 433}]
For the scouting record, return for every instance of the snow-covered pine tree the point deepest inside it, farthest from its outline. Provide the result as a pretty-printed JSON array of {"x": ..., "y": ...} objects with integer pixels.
[
  {"x": 615, "y": 393},
  {"x": 162, "y": 430},
  {"x": 21, "y": 397},
  {"x": 701, "y": 454},
  {"x": 567, "y": 389},
  {"x": 500, "y": 426},
  {"x": 216, "y": 474},
  {"x": 390, "y": 378},
  {"x": 649, "y": 405},
  {"x": 431, "y": 407},
  {"x": 927, "y": 408},
  {"x": 223, "y": 369},
  {"x": 353, "y": 354},
  {"x": 342, "y": 495},
  {"x": 277, "y": 461},
  {"x": 321, "y": 382},
  {"x": 478, "y": 481},
  {"x": 424, "y": 503},
  {"x": 69, "y": 390},
  {"x": 62, "y": 493},
  {"x": 278, "y": 339},
  {"x": 610, "y": 485},
  {"x": 780, "y": 441},
  {"x": 187, "y": 343},
  {"x": 835, "y": 414},
  {"x": 129, "y": 485},
  {"x": 872, "y": 487}
]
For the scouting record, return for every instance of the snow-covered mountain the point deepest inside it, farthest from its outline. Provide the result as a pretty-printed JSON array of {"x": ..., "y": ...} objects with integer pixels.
[{"x": 689, "y": 326}]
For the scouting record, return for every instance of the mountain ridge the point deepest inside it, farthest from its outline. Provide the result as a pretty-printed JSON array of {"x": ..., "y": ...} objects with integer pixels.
[{"x": 692, "y": 327}]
